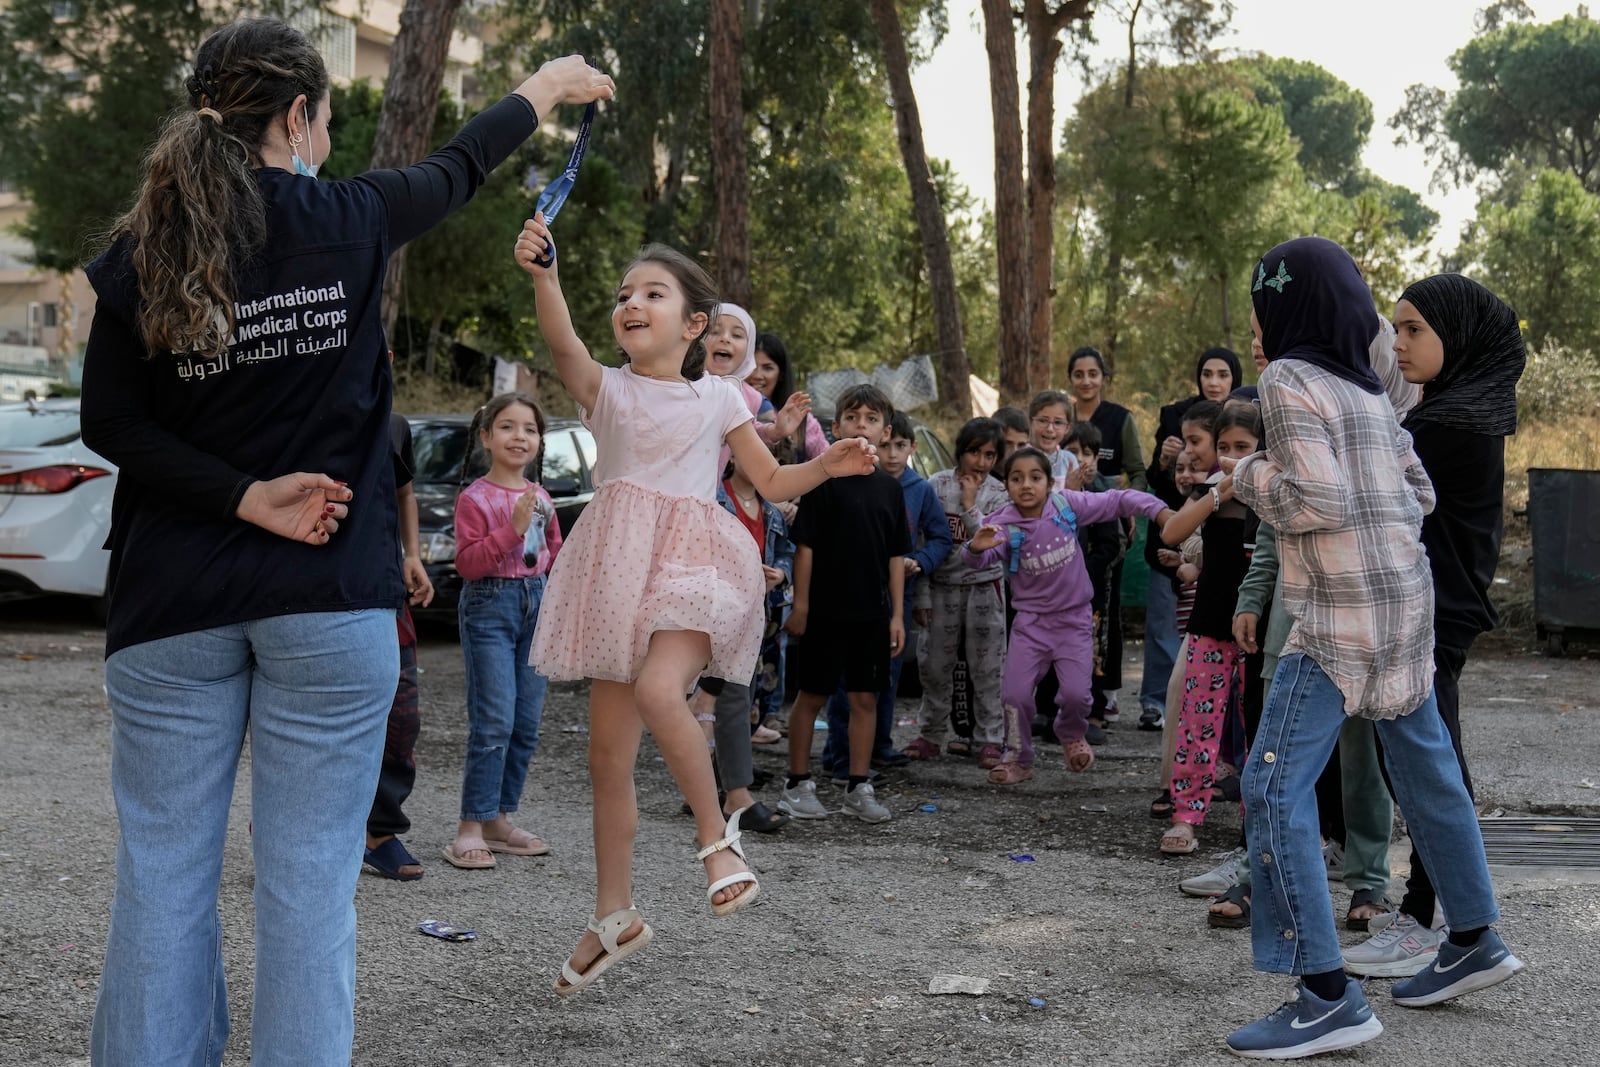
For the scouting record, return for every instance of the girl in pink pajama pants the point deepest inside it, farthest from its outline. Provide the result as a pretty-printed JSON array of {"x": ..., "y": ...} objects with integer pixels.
[{"x": 1035, "y": 536}]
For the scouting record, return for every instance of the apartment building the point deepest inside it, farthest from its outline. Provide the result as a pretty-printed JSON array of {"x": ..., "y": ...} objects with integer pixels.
[{"x": 45, "y": 315}]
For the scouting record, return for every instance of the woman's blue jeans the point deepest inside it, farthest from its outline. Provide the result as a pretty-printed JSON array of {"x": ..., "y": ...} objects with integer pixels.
[
  {"x": 1291, "y": 923},
  {"x": 311, "y": 694},
  {"x": 505, "y": 695}
]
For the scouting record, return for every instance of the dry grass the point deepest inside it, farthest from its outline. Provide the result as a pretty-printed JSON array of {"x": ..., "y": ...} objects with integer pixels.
[
  {"x": 416, "y": 393},
  {"x": 1568, "y": 443},
  {"x": 419, "y": 394},
  {"x": 1571, "y": 443}
]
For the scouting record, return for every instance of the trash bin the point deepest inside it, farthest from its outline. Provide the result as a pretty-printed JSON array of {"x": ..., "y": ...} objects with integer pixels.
[{"x": 1564, "y": 511}]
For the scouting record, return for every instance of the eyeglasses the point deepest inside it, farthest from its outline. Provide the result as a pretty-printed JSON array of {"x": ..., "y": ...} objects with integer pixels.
[{"x": 1059, "y": 424}]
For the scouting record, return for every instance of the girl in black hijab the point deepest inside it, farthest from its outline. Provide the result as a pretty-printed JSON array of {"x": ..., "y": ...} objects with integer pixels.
[{"x": 1464, "y": 346}]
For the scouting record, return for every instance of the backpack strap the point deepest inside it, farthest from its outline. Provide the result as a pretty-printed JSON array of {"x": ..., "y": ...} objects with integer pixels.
[
  {"x": 1066, "y": 518},
  {"x": 1014, "y": 538}
]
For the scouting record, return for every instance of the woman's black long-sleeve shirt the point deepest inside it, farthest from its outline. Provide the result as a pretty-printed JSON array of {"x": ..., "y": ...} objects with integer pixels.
[{"x": 305, "y": 385}]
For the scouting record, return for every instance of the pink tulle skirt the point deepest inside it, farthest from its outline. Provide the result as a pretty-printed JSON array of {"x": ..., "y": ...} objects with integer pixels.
[{"x": 638, "y": 561}]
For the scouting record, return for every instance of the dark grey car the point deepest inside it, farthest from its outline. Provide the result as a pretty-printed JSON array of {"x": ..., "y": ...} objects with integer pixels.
[{"x": 440, "y": 443}]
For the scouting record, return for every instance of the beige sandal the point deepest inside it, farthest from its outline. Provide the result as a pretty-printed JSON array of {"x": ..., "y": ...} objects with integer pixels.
[
  {"x": 607, "y": 930},
  {"x": 730, "y": 840},
  {"x": 1179, "y": 840}
]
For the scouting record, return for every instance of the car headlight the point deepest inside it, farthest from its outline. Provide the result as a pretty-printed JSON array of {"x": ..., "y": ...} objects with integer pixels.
[{"x": 438, "y": 547}]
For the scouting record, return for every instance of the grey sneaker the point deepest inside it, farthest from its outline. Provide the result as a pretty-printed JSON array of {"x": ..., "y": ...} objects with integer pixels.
[
  {"x": 1399, "y": 950},
  {"x": 801, "y": 802},
  {"x": 1152, "y": 718},
  {"x": 1217, "y": 881},
  {"x": 862, "y": 802}
]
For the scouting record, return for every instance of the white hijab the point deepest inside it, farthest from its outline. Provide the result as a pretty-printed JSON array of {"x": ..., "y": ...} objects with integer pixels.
[
  {"x": 1403, "y": 395},
  {"x": 748, "y": 363}
]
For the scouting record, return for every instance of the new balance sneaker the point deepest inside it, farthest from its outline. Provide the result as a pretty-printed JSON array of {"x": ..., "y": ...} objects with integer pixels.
[
  {"x": 1308, "y": 1025},
  {"x": 1217, "y": 881},
  {"x": 1457, "y": 970},
  {"x": 1151, "y": 718},
  {"x": 1399, "y": 949},
  {"x": 800, "y": 801},
  {"x": 862, "y": 802}
]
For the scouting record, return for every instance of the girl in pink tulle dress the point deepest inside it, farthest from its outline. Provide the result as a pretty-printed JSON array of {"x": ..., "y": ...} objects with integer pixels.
[{"x": 656, "y": 584}]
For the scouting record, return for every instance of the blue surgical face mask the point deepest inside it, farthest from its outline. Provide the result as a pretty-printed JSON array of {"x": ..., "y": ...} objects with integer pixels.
[{"x": 301, "y": 167}]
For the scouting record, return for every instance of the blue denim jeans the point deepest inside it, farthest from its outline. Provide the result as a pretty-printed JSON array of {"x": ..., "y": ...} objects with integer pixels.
[
  {"x": 505, "y": 695},
  {"x": 1161, "y": 639},
  {"x": 1292, "y": 928},
  {"x": 311, "y": 694}
]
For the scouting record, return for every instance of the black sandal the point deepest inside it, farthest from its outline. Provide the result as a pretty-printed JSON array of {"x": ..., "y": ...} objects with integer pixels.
[
  {"x": 1239, "y": 897},
  {"x": 762, "y": 819},
  {"x": 1365, "y": 897},
  {"x": 1161, "y": 806}
]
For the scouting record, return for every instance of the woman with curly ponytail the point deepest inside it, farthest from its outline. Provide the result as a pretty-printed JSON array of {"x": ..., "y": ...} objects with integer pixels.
[{"x": 237, "y": 374}]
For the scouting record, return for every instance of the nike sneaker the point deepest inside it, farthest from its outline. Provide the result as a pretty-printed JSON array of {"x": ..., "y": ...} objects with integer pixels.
[
  {"x": 1459, "y": 969},
  {"x": 1308, "y": 1025}
]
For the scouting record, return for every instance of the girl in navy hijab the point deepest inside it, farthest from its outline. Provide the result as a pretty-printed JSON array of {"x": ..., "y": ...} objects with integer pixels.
[{"x": 1339, "y": 481}]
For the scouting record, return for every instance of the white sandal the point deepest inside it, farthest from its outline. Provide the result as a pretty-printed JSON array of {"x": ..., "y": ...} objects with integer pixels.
[
  {"x": 607, "y": 930},
  {"x": 730, "y": 840}
]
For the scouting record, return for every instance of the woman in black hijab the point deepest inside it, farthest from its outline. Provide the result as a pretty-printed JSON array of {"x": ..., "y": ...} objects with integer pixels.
[{"x": 1464, "y": 346}]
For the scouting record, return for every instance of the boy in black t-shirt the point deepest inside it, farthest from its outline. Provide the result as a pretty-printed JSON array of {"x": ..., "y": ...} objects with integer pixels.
[{"x": 849, "y": 586}]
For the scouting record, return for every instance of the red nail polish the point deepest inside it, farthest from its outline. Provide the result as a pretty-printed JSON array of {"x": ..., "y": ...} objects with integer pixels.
[{"x": 328, "y": 509}]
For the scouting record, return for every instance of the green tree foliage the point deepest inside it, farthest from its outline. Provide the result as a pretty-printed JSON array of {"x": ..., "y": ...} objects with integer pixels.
[
  {"x": 1204, "y": 172},
  {"x": 1528, "y": 93},
  {"x": 1541, "y": 254},
  {"x": 1189, "y": 178},
  {"x": 82, "y": 89},
  {"x": 1328, "y": 118},
  {"x": 835, "y": 262}
]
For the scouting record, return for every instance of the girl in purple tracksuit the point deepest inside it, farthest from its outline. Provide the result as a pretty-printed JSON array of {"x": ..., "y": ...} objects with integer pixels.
[{"x": 1035, "y": 536}]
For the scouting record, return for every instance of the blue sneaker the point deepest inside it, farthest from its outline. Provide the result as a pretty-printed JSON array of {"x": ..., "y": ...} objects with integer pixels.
[
  {"x": 1458, "y": 970},
  {"x": 1308, "y": 1025}
]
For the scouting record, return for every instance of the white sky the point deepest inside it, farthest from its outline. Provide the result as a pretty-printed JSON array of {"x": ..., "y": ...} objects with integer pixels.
[{"x": 1377, "y": 46}]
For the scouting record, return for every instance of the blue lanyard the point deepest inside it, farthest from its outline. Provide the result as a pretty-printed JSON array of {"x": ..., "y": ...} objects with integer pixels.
[{"x": 555, "y": 194}]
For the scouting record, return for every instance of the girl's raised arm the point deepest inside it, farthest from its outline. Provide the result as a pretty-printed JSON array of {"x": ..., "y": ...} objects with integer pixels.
[
  {"x": 850, "y": 456},
  {"x": 579, "y": 372}
]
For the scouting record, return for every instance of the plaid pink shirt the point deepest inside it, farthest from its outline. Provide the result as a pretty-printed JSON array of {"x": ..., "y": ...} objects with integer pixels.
[{"x": 1340, "y": 483}]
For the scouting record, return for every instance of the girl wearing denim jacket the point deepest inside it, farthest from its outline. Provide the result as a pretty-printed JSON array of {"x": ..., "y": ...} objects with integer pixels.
[{"x": 506, "y": 538}]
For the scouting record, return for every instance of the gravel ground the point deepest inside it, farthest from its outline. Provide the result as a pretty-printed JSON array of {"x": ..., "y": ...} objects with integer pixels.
[{"x": 1091, "y": 953}]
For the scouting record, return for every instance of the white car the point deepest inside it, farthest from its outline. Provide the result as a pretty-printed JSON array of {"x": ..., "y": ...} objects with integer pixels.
[{"x": 55, "y": 504}]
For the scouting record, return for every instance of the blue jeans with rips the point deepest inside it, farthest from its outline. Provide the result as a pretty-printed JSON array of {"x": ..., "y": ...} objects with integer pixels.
[
  {"x": 1292, "y": 926},
  {"x": 310, "y": 693}
]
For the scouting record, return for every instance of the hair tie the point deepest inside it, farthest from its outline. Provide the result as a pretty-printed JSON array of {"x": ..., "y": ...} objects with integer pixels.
[
  {"x": 210, "y": 113},
  {"x": 201, "y": 86}
]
